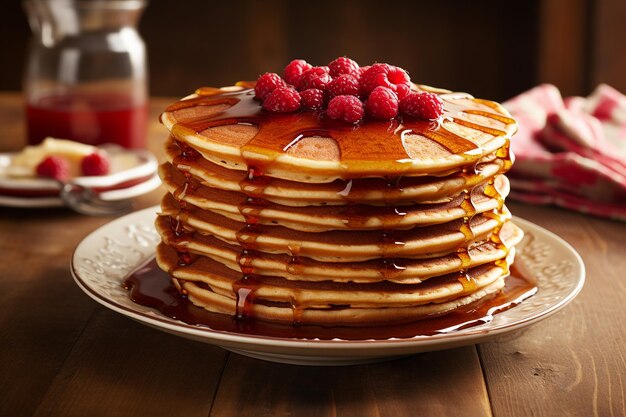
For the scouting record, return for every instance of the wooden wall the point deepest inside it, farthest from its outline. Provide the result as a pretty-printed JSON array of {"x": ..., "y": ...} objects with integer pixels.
[{"x": 490, "y": 48}]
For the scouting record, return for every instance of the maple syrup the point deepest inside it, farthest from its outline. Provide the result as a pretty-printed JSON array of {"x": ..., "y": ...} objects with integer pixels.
[
  {"x": 152, "y": 287},
  {"x": 367, "y": 149},
  {"x": 370, "y": 147}
]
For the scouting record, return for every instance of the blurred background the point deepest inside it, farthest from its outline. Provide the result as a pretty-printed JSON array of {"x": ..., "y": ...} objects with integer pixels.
[{"x": 490, "y": 48}]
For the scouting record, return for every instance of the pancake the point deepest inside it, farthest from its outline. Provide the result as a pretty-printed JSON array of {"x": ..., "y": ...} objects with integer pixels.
[
  {"x": 337, "y": 245},
  {"x": 376, "y": 191},
  {"x": 236, "y": 205},
  {"x": 229, "y": 128},
  {"x": 298, "y": 218},
  {"x": 341, "y": 315},
  {"x": 205, "y": 281},
  {"x": 325, "y": 294},
  {"x": 400, "y": 270}
]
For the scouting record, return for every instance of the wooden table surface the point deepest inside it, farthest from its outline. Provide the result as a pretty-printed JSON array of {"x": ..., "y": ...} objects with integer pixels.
[{"x": 63, "y": 354}]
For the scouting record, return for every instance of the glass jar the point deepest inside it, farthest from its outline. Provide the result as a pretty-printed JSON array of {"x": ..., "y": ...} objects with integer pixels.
[{"x": 86, "y": 75}]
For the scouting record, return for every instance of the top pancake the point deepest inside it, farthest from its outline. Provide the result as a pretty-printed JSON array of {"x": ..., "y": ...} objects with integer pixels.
[{"x": 230, "y": 129}]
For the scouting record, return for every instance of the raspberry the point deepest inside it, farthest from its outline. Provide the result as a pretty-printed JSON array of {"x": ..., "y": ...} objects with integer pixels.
[
  {"x": 282, "y": 100},
  {"x": 343, "y": 85},
  {"x": 347, "y": 108},
  {"x": 423, "y": 105},
  {"x": 96, "y": 163},
  {"x": 312, "y": 99},
  {"x": 266, "y": 83},
  {"x": 402, "y": 90},
  {"x": 294, "y": 70},
  {"x": 343, "y": 65},
  {"x": 53, "y": 167},
  {"x": 382, "y": 104},
  {"x": 321, "y": 82},
  {"x": 314, "y": 77},
  {"x": 383, "y": 75}
]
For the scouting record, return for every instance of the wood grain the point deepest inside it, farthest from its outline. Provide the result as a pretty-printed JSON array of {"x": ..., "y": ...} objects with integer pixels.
[
  {"x": 43, "y": 313},
  {"x": 62, "y": 354},
  {"x": 119, "y": 367},
  {"x": 447, "y": 383},
  {"x": 572, "y": 364}
]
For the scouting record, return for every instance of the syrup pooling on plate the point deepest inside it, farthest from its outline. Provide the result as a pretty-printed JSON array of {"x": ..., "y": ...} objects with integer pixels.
[{"x": 152, "y": 287}]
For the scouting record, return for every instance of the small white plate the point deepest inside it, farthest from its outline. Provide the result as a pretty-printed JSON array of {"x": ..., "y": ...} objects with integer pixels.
[
  {"x": 105, "y": 257},
  {"x": 136, "y": 176}
]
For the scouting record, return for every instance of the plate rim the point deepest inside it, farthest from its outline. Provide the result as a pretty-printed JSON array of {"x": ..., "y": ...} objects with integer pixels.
[
  {"x": 222, "y": 338},
  {"x": 146, "y": 167},
  {"x": 149, "y": 184}
]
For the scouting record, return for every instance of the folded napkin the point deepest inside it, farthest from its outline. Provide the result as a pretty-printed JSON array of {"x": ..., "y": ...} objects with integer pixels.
[{"x": 571, "y": 152}]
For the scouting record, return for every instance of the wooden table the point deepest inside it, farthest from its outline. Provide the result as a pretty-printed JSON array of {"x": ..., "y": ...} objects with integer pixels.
[{"x": 63, "y": 354}]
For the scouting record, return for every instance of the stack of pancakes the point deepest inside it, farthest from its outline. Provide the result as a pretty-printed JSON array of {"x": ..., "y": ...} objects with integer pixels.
[{"x": 299, "y": 219}]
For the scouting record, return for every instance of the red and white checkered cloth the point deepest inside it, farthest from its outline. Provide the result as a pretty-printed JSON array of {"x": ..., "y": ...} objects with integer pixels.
[{"x": 571, "y": 152}]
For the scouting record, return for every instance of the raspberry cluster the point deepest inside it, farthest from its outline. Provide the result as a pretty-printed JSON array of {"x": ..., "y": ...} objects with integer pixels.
[
  {"x": 346, "y": 91},
  {"x": 57, "y": 167}
]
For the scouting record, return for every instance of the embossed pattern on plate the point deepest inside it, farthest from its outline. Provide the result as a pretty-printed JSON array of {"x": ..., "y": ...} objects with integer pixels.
[{"x": 105, "y": 257}]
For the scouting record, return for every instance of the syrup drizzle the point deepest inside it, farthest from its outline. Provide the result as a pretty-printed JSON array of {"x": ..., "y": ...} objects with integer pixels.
[
  {"x": 467, "y": 204},
  {"x": 380, "y": 145},
  {"x": 180, "y": 229},
  {"x": 358, "y": 146},
  {"x": 152, "y": 287},
  {"x": 253, "y": 186}
]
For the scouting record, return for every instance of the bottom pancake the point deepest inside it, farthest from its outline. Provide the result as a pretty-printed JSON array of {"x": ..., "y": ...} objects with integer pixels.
[
  {"x": 342, "y": 315},
  {"x": 216, "y": 288}
]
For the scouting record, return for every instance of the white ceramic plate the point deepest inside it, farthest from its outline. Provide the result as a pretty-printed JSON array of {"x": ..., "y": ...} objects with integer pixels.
[
  {"x": 135, "y": 176},
  {"x": 105, "y": 257}
]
